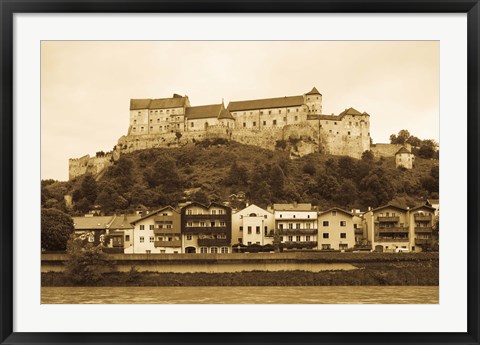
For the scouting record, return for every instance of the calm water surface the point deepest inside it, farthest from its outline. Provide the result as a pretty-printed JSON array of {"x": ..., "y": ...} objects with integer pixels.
[{"x": 242, "y": 295}]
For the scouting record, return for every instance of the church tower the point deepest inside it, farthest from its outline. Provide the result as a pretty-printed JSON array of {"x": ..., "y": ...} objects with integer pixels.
[{"x": 313, "y": 100}]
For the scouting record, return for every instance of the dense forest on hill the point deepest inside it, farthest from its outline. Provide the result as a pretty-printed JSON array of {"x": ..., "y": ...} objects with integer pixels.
[{"x": 212, "y": 170}]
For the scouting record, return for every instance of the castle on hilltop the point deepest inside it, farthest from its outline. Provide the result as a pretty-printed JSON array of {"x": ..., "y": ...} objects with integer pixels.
[{"x": 294, "y": 120}]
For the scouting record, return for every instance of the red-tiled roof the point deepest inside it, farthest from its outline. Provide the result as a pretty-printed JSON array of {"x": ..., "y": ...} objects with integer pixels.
[
  {"x": 154, "y": 213},
  {"x": 314, "y": 92},
  {"x": 389, "y": 205},
  {"x": 92, "y": 223},
  {"x": 279, "y": 102},
  {"x": 123, "y": 222}
]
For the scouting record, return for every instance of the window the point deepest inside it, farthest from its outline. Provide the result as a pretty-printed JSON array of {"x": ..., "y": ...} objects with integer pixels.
[
  {"x": 261, "y": 112},
  {"x": 222, "y": 223},
  {"x": 284, "y": 119},
  {"x": 191, "y": 124},
  {"x": 240, "y": 240},
  {"x": 269, "y": 112},
  {"x": 307, "y": 238},
  {"x": 244, "y": 124},
  {"x": 148, "y": 251},
  {"x": 290, "y": 238},
  {"x": 334, "y": 123},
  {"x": 274, "y": 122},
  {"x": 298, "y": 238},
  {"x": 325, "y": 235},
  {"x": 343, "y": 235},
  {"x": 325, "y": 246},
  {"x": 249, "y": 230},
  {"x": 298, "y": 225},
  {"x": 240, "y": 229},
  {"x": 264, "y": 123},
  {"x": 189, "y": 212},
  {"x": 348, "y": 132},
  {"x": 152, "y": 239},
  {"x": 142, "y": 239},
  {"x": 202, "y": 223},
  {"x": 290, "y": 225},
  {"x": 163, "y": 251},
  {"x": 343, "y": 246},
  {"x": 189, "y": 237},
  {"x": 220, "y": 211},
  {"x": 343, "y": 223},
  {"x": 224, "y": 250},
  {"x": 280, "y": 111},
  {"x": 254, "y": 123},
  {"x": 355, "y": 226},
  {"x": 296, "y": 118},
  {"x": 296, "y": 110},
  {"x": 325, "y": 223},
  {"x": 151, "y": 227},
  {"x": 142, "y": 227},
  {"x": 249, "y": 243},
  {"x": 308, "y": 225},
  {"x": 288, "y": 110},
  {"x": 214, "y": 250},
  {"x": 203, "y": 250},
  {"x": 257, "y": 229},
  {"x": 127, "y": 237}
]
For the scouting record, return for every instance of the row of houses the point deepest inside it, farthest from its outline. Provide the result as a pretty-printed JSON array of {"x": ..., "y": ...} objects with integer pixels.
[{"x": 214, "y": 228}]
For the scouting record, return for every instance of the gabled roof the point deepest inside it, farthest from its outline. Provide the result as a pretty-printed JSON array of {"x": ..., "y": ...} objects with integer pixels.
[
  {"x": 403, "y": 149},
  {"x": 225, "y": 114},
  {"x": 292, "y": 207},
  {"x": 154, "y": 213},
  {"x": 350, "y": 111},
  {"x": 92, "y": 223},
  {"x": 389, "y": 205},
  {"x": 279, "y": 102},
  {"x": 423, "y": 206},
  {"x": 338, "y": 209},
  {"x": 203, "y": 111},
  {"x": 196, "y": 203},
  {"x": 123, "y": 221},
  {"x": 137, "y": 104},
  {"x": 159, "y": 103},
  {"x": 251, "y": 207},
  {"x": 314, "y": 92}
]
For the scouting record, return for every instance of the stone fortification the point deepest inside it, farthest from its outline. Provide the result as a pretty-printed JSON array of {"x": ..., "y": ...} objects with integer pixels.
[{"x": 388, "y": 150}]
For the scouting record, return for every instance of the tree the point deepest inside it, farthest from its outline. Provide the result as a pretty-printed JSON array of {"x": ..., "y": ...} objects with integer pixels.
[
  {"x": 86, "y": 264},
  {"x": 309, "y": 168},
  {"x": 401, "y": 138},
  {"x": 277, "y": 180},
  {"x": 347, "y": 194},
  {"x": 56, "y": 228},
  {"x": 237, "y": 176},
  {"x": 414, "y": 141},
  {"x": 327, "y": 186},
  {"x": 88, "y": 188},
  {"x": 427, "y": 149}
]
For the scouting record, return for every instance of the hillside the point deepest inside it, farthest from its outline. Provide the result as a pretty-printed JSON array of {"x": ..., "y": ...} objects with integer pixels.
[{"x": 213, "y": 170}]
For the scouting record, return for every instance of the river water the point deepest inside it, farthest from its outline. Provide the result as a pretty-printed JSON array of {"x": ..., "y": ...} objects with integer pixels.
[{"x": 242, "y": 295}]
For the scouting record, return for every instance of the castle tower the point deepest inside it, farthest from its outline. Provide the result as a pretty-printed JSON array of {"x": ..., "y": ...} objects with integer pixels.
[{"x": 313, "y": 100}]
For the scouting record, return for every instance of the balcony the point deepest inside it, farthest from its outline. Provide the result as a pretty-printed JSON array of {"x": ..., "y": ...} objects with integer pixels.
[
  {"x": 358, "y": 231},
  {"x": 423, "y": 229},
  {"x": 391, "y": 239},
  {"x": 161, "y": 231},
  {"x": 163, "y": 219},
  {"x": 423, "y": 217},
  {"x": 299, "y": 245},
  {"x": 206, "y": 216},
  {"x": 213, "y": 242},
  {"x": 388, "y": 219},
  {"x": 174, "y": 243},
  {"x": 393, "y": 230},
  {"x": 297, "y": 231},
  {"x": 420, "y": 241},
  {"x": 205, "y": 230}
]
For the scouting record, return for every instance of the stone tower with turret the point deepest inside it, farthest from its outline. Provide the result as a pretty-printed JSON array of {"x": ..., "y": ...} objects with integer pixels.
[{"x": 313, "y": 100}]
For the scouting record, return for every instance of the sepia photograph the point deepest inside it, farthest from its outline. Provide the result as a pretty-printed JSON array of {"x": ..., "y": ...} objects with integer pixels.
[{"x": 240, "y": 172}]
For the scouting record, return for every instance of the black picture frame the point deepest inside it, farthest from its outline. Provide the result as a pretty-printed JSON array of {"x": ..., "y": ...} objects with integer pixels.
[{"x": 10, "y": 7}]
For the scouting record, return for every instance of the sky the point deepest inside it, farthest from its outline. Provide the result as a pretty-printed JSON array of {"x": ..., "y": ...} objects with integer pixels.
[{"x": 86, "y": 86}]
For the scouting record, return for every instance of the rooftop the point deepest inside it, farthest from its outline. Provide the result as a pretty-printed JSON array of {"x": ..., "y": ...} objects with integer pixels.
[
  {"x": 292, "y": 207},
  {"x": 279, "y": 102}
]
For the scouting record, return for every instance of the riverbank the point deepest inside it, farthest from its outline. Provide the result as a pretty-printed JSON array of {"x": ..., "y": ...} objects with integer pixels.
[{"x": 398, "y": 272}]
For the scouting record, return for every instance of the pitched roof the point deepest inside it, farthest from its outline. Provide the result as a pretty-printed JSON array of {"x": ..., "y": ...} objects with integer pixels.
[
  {"x": 92, "y": 223},
  {"x": 336, "y": 209},
  {"x": 389, "y": 205},
  {"x": 350, "y": 111},
  {"x": 204, "y": 111},
  {"x": 136, "y": 104},
  {"x": 279, "y": 102},
  {"x": 403, "y": 149},
  {"x": 292, "y": 207},
  {"x": 154, "y": 213},
  {"x": 423, "y": 206},
  {"x": 314, "y": 92},
  {"x": 225, "y": 114},
  {"x": 159, "y": 103},
  {"x": 123, "y": 221}
]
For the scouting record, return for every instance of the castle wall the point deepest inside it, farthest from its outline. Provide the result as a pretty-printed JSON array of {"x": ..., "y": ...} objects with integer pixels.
[
  {"x": 268, "y": 118},
  {"x": 387, "y": 150},
  {"x": 88, "y": 165}
]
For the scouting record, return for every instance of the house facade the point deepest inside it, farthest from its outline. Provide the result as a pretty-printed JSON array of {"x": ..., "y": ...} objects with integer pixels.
[
  {"x": 404, "y": 158},
  {"x": 253, "y": 225},
  {"x": 336, "y": 230},
  {"x": 206, "y": 229},
  {"x": 296, "y": 225},
  {"x": 158, "y": 232},
  {"x": 421, "y": 220}
]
